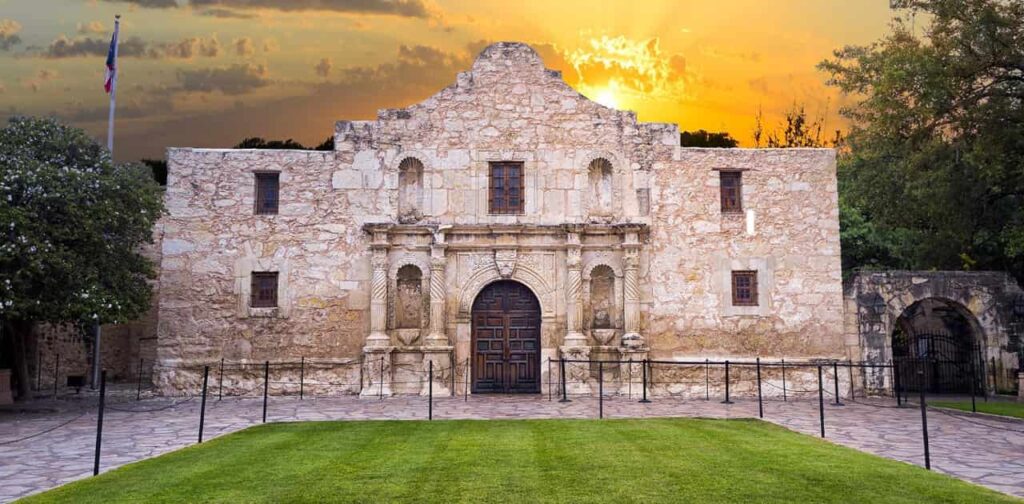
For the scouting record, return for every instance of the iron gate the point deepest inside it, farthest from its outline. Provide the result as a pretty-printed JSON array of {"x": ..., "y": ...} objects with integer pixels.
[{"x": 939, "y": 362}]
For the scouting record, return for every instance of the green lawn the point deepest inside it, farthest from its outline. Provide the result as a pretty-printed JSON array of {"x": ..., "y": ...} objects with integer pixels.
[
  {"x": 666, "y": 460},
  {"x": 1011, "y": 409}
]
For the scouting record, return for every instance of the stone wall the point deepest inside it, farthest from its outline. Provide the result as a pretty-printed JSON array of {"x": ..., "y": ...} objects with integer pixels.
[
  {"x": 603, "y": 193},
  {"x": 788, "y": 232}
]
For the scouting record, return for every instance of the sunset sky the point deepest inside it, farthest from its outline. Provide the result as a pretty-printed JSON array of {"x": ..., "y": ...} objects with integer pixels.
[{"x": 207, "y": 73}]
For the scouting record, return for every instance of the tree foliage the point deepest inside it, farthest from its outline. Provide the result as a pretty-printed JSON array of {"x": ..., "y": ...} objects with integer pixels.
[
  {"x": 935, "y": 159},
  {"x": 260, "y": 143},
  {"x": 702, "y": 138},
  {"x": 72, "y": 225},
  {"x": 798, "y": 130}
]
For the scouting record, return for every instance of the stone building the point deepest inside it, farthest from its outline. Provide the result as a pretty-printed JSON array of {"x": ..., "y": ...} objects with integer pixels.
[{"x": 502, "y": 222}]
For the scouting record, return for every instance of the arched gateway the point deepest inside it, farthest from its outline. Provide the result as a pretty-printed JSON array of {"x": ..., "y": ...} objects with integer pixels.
[{"x": 506, "y": 339}]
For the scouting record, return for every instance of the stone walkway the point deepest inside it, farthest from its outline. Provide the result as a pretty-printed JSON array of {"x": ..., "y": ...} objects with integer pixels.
[{"x": 981, "y": 449}]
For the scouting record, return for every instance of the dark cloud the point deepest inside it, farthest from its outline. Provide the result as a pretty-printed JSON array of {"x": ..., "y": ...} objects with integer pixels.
[
  {"x": 187, "y": 48},
  {"x": 244, "y": 47},
  {"x": 323, "y": 68},
  {"x": 406, "y": 8},
  {"x": 9, "y": 38},
  {"x": 232, "y": 80},
  {"x": 153, "y": 4},
  {"x": 225, "y": 14},
  {"x": 64, "y": 47},
  {"x": 133, "y": 47}
]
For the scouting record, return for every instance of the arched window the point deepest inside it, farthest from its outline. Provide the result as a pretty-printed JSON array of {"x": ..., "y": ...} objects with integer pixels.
[
  {"x": 600, "y": 178},
  {"x": 602, "y": 297},
  {"x": 409, "y": 298},
  {"x": 410, "y": 190}
]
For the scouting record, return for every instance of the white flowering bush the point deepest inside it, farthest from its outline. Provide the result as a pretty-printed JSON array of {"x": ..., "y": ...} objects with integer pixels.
[{"x": 71, "y": 225}]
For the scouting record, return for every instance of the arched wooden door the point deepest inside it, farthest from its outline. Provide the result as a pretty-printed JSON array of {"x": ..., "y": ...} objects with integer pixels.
[{"x": 506, "y": 339}]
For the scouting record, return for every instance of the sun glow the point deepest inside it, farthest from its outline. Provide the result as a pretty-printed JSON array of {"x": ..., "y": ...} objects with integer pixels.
[{"x": 607, "y": 98}]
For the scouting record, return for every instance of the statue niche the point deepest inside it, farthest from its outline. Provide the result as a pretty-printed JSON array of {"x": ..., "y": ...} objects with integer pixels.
[
  {"x": 409, "y": 300},
  {"x": 410, "y": 190},
  {"x": 602, "y": 304}
]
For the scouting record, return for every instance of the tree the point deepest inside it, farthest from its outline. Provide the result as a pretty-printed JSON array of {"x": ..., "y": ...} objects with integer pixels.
[
  {"x": 701, "y": 138},
  {"x": 798, "y": 131},
  {"x": 936, "y": 150},
  {"x": 73, "y": 223},
  {"x": 259, "y": 143}
]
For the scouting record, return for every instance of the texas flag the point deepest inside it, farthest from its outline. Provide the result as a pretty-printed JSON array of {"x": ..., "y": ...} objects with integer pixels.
[{"x": 112, "y": 61}]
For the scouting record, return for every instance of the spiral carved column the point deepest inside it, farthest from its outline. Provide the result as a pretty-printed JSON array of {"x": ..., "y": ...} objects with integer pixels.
[
  {"x": 573, "y": 290},
  {"x": 379, "y": 293},
  {"x": 631, "y": 293},
  {"x": 437, "y": 336}
]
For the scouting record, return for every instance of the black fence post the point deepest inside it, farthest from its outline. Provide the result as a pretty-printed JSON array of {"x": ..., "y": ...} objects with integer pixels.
[
  {"x": 454, "y": 369},
  {"x": 39, "y": 369},
  {"x": 138, "y": 390},
  {"x": 302, "y": 377},
  {"x": 850, "y": 368},
  {"x": 99, "y": 422},
  {"x": 56, "y": 376},
  {"x": 897, "y": 382},
  {"x": 643, "y": 376},
  {"x": 924, "y": 417},
  {"x": 202, "y": 405},
  {"x": 995, "y": 376},
  {"x": 561, "y": 370},
  {"x": 465, "y": 390},
  {"x": 726, "y": 401},
  {"x": 784, "y": 399},
  {"x": 220, "y": 389},
  {"x": 600, "y": 389},
  {"x": 760, "y": 404},
  {"x": 821, "y": 403},
  {"x": 974, "y": 381},
  {"x": 380, "y": 385},
  {"x": 707, "y": 380},
  {"x": 835, "y": 375},
  {"x": 430, "y": 390},
  {"x": 549, "y": 379},
  {"x": 266, "y": 386}
]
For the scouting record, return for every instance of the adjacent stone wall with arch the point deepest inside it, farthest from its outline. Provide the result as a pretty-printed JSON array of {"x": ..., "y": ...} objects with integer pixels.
[{"x": 992, "y": 301}]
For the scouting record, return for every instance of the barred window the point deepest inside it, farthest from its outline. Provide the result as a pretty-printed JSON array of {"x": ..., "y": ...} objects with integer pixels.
[
  {"x": 744, "y": 288},
  {"x": 264, "y": 289},
  {"x": 506, "y": 188},
  {"x": 267, "y": 185},
  {"x": 732, "y": 191}
]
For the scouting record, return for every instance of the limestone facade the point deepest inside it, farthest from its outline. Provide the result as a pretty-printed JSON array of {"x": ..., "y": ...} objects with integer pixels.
[{"x": 382, "y": 246}]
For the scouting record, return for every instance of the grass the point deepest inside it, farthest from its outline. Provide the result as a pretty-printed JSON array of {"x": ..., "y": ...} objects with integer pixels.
[
  {"x": 1010, "y": 409},
  {"x": 666, "y": 460}
]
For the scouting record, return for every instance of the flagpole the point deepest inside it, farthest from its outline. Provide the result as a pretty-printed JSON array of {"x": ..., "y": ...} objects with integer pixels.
[{"x": 113, "y": 88}]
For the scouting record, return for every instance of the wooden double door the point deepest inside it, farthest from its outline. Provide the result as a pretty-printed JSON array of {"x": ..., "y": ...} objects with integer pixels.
[{"x": 506, "y": 339}]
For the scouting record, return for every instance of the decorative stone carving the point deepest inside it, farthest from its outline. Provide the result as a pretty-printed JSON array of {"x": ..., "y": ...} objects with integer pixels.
[
  {"x": 573, "y": 290},
  {"x": 603, "y": 337},
  {"x": 376, "y": 372},
  {"x": 505, "y": 262},
  {"x": 379, "y": 290},
  {"x": 438, "y": 263},
  {"x": 631, "y": 293},
  {"x": 577, "y": 374},
  {"x": 442, "y": 364}
]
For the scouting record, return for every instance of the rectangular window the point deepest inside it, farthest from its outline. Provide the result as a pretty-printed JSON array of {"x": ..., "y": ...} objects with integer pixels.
[
  {"x": 732, "y": 191},
  {"x": 266, "y": 193},
  {"x": 264, "y": 289},
  {"x": 506, "y": 188},
  {"x": 744, "y": 288}
]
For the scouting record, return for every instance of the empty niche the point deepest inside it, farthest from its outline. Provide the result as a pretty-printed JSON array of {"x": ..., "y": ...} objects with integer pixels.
[
  {"x": 410, "y": 190},
  {"x": 602, "y": 297},
  {"x": 409, "y": 297},
  {"x": 600, "y": 191}
]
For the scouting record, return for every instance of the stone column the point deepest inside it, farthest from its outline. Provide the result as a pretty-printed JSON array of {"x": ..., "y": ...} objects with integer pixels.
[
  {"x": 377, "y": 352},
  {"x": 631, "y": 292},
  {"x": 575, "y": 348},
  {"x": 573, "y": 290},
  {"x": 378, "y": 296},
  {"x": 438, "y": 261}
]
